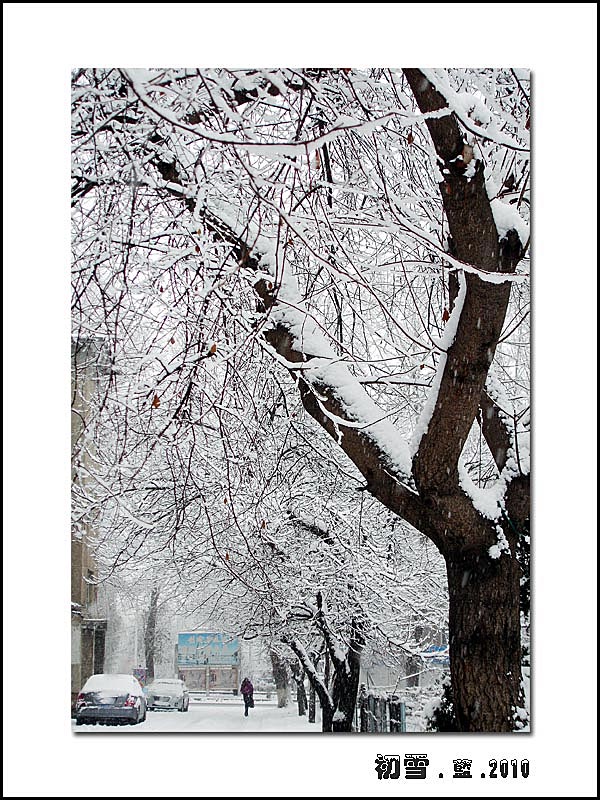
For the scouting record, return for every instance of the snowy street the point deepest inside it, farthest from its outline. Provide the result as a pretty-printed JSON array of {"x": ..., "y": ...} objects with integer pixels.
[{"x": 217, "y": 717}]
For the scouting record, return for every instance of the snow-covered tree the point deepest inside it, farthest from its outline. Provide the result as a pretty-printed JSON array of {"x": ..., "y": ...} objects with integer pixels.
[{"x": 362, "y": 231}]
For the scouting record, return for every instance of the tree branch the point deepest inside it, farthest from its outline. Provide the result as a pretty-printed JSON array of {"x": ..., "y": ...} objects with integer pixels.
[
  {"x": 320, "y": 400},
  {"x": 332, "y": 646},
  {"x": 495, "y": 431},
  {"x": 312, "y": 527},
  {"x": 474, "y": 240},
  {"x": 295, "y": 645}
]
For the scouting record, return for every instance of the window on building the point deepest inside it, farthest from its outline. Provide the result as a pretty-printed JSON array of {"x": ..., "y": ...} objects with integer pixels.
[{"x": 91, "y": 588}]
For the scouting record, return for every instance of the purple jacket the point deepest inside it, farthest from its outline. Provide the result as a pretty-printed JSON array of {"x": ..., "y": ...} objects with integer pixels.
[{"x": 246, "y": 687}]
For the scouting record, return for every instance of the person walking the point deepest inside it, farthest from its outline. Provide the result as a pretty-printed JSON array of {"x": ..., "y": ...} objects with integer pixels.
[{"x": 247, "y": 691}]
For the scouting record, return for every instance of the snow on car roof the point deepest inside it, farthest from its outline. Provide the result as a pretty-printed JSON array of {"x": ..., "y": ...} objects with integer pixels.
[
  {"x": 172, "y": 686},
  {"x": 106, "y": 682}
]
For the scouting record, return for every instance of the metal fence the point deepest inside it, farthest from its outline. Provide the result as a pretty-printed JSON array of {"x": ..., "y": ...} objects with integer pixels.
[{"x": 379, "y": 712}]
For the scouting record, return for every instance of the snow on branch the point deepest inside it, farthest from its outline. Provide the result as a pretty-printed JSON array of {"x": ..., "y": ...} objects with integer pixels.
[
  {"x": 517, "y": 458},
  {"x": 508, "y": 218},
  {"x": 321, "y": 368},
  {"x": 338, "y": 657},
  {"x": 138, "y": 78},
  {"x": 473, "y": 113},
  {"x": 444, "y": 343},
  {"x": 508, "y": 440},
  {"x": 321, "y": 689}
]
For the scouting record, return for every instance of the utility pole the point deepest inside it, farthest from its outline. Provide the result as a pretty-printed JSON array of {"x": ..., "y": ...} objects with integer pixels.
[{"x": 135, "y": 640}]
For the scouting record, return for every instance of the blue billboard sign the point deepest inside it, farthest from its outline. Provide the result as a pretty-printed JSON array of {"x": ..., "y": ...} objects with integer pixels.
[
  {"x": 201, "y": 649},
  {"x": 437, "y": 654}
]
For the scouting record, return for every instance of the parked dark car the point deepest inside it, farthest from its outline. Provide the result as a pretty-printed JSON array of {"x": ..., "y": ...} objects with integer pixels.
[
  {"x": 110, "y": 700},
  {"x": 167, "y": 693}
]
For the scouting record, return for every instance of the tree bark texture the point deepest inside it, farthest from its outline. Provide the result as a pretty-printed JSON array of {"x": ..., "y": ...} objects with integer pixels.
[
  {"x": 345, "y": 692},
  {"x": 281, "y": 679},
  {"x": 301, "y": 698},
  {"x": 346, "y": 673},
  {"x": 312, "y": 704},
  {"x": 485, "y": 646},
  {"x": 150, "y": 635},
  {"x": 298, "y": 677},
  {"x": 312, "y": 695}
]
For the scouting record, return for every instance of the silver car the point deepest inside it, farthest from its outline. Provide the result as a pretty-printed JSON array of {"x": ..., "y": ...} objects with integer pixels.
[
  {"x": 110, "y": 700},
  {"x": 167, "y": 693}
]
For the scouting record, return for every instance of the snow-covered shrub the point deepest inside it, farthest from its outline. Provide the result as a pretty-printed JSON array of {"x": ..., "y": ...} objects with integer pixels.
[{"x": 439, "y": 712}]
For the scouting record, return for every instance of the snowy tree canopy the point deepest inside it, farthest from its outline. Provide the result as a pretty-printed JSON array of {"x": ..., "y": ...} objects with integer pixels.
[{"x": 312, "y": 288}]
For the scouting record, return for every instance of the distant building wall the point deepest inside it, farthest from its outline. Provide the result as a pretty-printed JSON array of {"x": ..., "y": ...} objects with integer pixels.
[
  {"x": 419, "y": 668},
  {"x": 89, "y": 366},
  {"x": 210, "y": 679}
]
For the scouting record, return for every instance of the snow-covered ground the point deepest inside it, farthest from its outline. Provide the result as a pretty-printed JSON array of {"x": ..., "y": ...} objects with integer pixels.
[{"x": 222, "y": 717}]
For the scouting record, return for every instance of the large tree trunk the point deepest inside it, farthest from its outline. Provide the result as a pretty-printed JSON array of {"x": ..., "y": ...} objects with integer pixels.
[
  {"x": 301, "y": 697},
  {"x": 281, "y": 679},
  {"x": 345, "y": 693},
  {"x": 327, "y": 719},
  {"x": 337, "y": 706},
  {"x": 150, "y": 635},
  {"x": 298, "y": 676},
  {"x": 312, "y": 695},
  {"x": 312, "y": 704},
  {"x": 485, "y": 646}
]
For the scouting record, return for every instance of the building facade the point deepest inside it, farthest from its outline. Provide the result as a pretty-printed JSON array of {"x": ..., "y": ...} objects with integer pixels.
[{"x": 89, "y": 368}]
